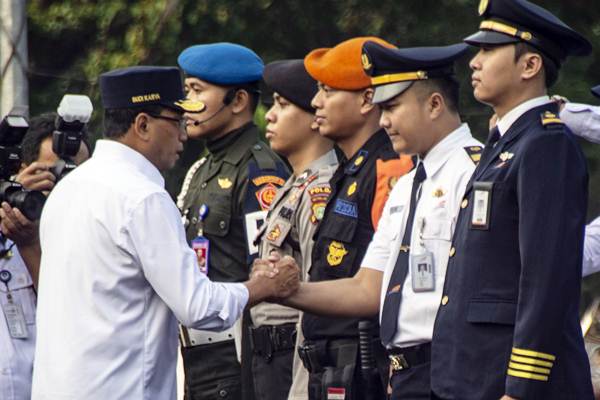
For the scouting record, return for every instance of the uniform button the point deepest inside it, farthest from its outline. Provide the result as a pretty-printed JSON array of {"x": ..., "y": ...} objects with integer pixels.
[
  {"x": 194, "y": 220},
  {"x": 203, "y": 185},
  {"x": 464, "y": 203},
  {"x": 223, "y": 393},
  {"x": 222, "y": 224},
  {"x": 452, "y": 252},
  {"x": 445, "y": 300}
]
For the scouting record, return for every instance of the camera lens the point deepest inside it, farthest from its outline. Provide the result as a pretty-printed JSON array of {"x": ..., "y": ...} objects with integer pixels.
[{"x": 30, "y": 203}]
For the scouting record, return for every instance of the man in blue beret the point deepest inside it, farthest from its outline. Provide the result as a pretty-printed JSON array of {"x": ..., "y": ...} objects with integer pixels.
[
  {"x": 116, "y": 271},
  {"x": 508, "y": 322},
  {"x": 224, "y": 199}
]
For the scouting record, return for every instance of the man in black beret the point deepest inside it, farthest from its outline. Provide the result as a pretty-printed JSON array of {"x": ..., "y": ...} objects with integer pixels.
[
  {"x": 116, "y": 270},
  {"x": 508, "y": 322},
  {"x": 291, "y": 222}
]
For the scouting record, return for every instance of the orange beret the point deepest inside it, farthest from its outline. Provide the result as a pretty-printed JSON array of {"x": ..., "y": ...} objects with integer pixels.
[{"x": 340, "y": 67}]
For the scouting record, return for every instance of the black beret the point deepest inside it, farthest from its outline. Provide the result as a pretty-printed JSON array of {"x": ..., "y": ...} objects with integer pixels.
[{"x": 290, "y": 79}]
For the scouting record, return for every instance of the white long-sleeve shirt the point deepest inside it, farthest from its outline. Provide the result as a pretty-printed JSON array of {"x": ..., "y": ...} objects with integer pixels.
[{"x": 116, "y": 273}]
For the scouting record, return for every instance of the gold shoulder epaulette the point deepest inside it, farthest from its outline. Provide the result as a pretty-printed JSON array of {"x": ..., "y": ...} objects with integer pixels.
[
  {"x": 474, "y": 152},
  {"x": 549, "y": 118}
]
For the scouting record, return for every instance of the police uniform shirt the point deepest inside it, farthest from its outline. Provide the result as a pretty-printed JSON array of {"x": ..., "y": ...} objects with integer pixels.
[
  {"x": 116, "y": 276},
  {"x": 449, "y": 166},
  {"x": 360, "y": 187},
  {"x": 583, "y": 120},
  {"x": 237, "y": 182},
  {"x": 16, "y": 354},
  {"x": 291, "y": 222},
  {"x": 508, "y": 320}
]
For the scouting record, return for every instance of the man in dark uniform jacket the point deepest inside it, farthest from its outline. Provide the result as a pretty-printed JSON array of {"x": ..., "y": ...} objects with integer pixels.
[
  {"x": 508, "y": 322},
  {"x": 224, "y": 199},
  {"x": 360, "y": 187}
]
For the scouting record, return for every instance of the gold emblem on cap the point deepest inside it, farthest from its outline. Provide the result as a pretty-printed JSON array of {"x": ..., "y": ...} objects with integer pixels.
[
  {"x": 366, "y": 63},
  {"x": 190, "y": 106},
  {"x": 483, "y": 5}
]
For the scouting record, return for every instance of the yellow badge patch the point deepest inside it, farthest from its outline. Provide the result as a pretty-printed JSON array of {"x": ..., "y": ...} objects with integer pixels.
[
  {"x": 337, "y": 251},
  {"x": 224, "y": 183},
  {"x": 359, "y": 160},
  {"x": 265, "y": 196},
  {"x": 262, "y": 180},
  {"x": 351, "y": 189},
  {"x": 483, "y": 6},
  {"x": 274, "y": 233},
  {"x": 550, "y": 118},
  {"x": 318, "y": 211}
]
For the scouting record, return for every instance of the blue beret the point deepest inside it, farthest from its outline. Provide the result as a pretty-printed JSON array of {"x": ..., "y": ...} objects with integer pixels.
[
  {"x": 222, "y": 63},
  {"x": 290, "y": 79},
  {"x": 143, "y": 86}
]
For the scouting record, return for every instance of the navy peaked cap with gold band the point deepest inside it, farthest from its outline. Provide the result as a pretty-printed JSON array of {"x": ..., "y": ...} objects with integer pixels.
[
  {"x": 290, "y": 79},
  {"x": 596, "y": 91},
  {"x": 512, "y": 21},
  {"x": 394, "y": 70},
  {"x": 145, "y": 85},
  {"x": 222, "y": 63}
]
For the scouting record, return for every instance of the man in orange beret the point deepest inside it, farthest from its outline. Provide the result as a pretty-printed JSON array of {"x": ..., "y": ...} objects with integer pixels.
[{"x": 360, "y": 188}]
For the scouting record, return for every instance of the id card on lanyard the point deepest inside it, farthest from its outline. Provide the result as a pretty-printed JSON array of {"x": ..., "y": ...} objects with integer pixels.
[
  {"x": 421, "y": 264},
  {"x": 200, "y": 244},
  {"x": 13, "y": 311}
]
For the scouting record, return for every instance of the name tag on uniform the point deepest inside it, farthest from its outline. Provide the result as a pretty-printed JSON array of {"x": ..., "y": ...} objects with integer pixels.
[
  {"x": 482, "y": 203},
  {"x": 422, "y": 272},
  {"x": 201, "y": 247},
  {"x": 15, "y": 319}
]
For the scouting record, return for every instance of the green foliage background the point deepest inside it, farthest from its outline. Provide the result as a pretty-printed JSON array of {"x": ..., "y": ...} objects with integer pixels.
[{"x": 72, "y": 41}]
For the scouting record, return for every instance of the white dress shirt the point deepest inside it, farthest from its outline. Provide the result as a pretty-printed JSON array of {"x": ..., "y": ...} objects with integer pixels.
[
  {"x": 513, "y": 115},
  {"x": 116, "y": 272},
  {"x": 16, "y": 355},
  {"x": 448, "y": 167},
  {"x": 583, "y": 120}
]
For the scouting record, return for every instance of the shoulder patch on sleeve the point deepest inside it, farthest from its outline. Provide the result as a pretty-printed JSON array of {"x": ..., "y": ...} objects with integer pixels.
[
  {"x": 318, "y": 201},
  {"x": 549, "y": 119},
  {"x": 474, "y": 153}
]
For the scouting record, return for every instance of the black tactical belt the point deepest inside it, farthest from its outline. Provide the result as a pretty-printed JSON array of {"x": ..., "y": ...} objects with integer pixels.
[
  {"x": 403, "y": 358},
  {"x": 317, "y": 354},
  {"x": 269, "y": 339}
]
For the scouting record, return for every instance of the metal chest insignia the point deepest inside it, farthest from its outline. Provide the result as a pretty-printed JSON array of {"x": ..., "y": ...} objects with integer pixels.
[
  {"x": 337, "y": 251},
  {"x": 224, "y": 183},
  {"x": 352, "y": 189},
  {"x": 274, "y": 233}
]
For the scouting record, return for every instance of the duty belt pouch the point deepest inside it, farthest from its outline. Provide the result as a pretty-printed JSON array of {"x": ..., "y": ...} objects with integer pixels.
[{"x": 337, "y": 383}]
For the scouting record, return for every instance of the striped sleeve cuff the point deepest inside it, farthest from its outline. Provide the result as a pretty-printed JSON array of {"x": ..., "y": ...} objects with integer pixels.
[{"x": 530, "y": 364}]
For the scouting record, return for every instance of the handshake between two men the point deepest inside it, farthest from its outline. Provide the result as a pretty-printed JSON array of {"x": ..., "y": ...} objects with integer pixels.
[{"x": 273, "y": 279}]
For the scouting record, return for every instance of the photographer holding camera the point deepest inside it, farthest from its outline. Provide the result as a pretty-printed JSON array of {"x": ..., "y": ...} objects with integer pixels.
[{"x": 20, "y": 257}]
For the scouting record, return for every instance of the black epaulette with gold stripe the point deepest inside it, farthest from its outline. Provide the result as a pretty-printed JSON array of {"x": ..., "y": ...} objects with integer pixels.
[
  {"x": 550, "y": 119},
  {"x": 474, "y": 152}
]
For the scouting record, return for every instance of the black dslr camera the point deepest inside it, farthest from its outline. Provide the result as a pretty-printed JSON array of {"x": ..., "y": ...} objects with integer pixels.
[
  {"x": 12, "y": 130},
  {"x": 74, "y": 112}
]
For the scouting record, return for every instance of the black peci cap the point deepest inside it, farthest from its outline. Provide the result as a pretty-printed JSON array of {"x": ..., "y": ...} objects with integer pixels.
[{"x": 145, "y": 85}]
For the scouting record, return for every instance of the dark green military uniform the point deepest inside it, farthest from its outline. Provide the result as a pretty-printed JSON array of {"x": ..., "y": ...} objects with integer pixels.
[{"x": 236, "y": 182}]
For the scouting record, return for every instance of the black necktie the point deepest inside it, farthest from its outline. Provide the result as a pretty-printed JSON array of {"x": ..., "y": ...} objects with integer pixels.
[
  {"x": 491, "y": 142},
  {"x": 391, "y": 303}
]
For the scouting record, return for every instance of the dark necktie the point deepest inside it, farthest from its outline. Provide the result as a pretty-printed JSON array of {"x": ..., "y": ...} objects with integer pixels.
[
  {"x": 491, "y": 142},
  {"x": 391, "y": 303}
]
